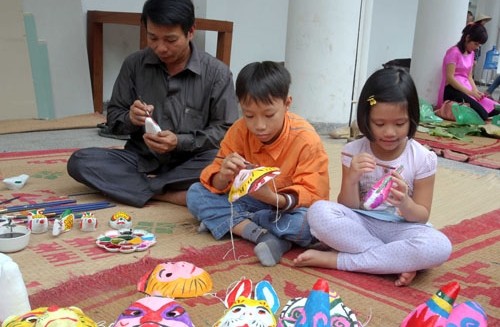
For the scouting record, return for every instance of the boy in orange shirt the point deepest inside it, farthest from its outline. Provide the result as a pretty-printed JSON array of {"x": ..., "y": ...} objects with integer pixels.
[{"x": 267, "y": 135}]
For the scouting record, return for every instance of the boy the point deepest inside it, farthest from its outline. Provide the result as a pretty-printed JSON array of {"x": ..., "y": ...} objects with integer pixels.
[{"x": 267, "y": 135}]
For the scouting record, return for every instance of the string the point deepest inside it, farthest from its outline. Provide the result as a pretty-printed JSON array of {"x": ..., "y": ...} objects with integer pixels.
[
  {"x": 233, "y": 247},
  {"x": 278, "y": 214}
]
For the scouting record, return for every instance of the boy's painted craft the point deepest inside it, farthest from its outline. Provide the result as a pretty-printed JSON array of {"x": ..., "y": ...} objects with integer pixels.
[
  {"x": 64, "y": 222},
  {"x": 247, "y": 311},
  {"x": 379, "y": 191},
  {"x": 175, "y": 280},
  {"x": 120, "y": 220},
  {"x": 440, "y": 310},
  {"x": 250, "y": 180},
  {"x": 51, "y": 316},
  {"x": 320, "y": 308},
  {"x": 126, "y": 240},
  {"x": 154, "y": 311}
]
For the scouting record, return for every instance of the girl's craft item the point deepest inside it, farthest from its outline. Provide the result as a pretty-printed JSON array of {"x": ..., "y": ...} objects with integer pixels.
[
  {"x": 250, "y": 180},
  {"x": 16, "y": 182},
  {"x": 88, "y": 222},
  {"x": 151, "y": 126},
  {"x": 14, "y": 299},
  {"x": 126, "y": 240},
  {"x": 154, "y": 311},
  {"x": 379, "y": 192},
  {"x": 63, "y": 223},
  {"x": 38, "y": 222},
  {"x": 120, "y": 220},
  {"x": 440, "y": 310},
  {"x": 247, "y": 311},
  {"x": 51, "y": 316},
  {"x": 175, "y": 280},
  {"x": 299, "y": 311}
]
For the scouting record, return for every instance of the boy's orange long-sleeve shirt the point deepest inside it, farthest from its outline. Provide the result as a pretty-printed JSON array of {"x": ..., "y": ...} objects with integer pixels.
[{"x": 298, "y": 152}]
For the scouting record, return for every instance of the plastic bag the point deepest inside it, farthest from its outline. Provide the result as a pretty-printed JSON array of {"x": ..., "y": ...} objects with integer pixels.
[
  {"x": 427, "y": 114},
  {"x": 465, "y": 115}
]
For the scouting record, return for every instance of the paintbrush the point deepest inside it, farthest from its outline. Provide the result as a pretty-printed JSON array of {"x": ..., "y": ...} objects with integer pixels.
[
  {"x": 248, "y": 164},
  {"x": 377, "y": 163},
  {"x": 144, "y": 104}
]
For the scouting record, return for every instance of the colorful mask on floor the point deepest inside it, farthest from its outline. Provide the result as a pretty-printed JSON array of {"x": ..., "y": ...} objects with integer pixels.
[
  {"x": 51, "y": 317},
  {"x": 379, "y": 192},
  {"x": 440, "y": 311},
  {"x": 247, "y": 311},
  {"x": 64, "y": 223},
  {"x": 152, "y": 310},
  {"x": 175, "y": 280},
  {"x": 120, "y": 220},
  {"x": 38, "y": 222},
  {"x": 320, "y": 308},
  {"x": 88, "y": 222},
  {"x": 250, "y": 180}
]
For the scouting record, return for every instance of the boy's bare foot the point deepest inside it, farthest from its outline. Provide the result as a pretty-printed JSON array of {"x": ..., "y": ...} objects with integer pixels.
[
  {"x": 315, "y": 258},
  {"x": 405, "y": 278}
]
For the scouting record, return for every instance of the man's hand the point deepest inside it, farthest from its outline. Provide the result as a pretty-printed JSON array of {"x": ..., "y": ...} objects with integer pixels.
[
  {"x": 162, "y": 142},
  {"x": 139, "y": 111}
]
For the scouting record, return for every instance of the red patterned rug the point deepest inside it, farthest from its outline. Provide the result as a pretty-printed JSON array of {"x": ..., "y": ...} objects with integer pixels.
[
  {"x": 474, "y": 264},
  {"x": 480, "y": 151}
]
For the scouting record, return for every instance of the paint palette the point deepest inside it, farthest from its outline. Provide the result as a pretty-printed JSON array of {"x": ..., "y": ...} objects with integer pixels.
[{"x": 126, "y": 240}]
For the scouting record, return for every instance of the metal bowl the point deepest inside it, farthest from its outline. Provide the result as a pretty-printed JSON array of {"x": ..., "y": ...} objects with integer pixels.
[{"x": 13, "y": 239}]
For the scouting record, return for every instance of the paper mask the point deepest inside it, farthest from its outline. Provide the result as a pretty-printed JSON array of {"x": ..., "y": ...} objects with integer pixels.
[
  {"x": 250, "y": 180},
  {"x": 120, "y": 220},
  {"x": 88, "y": 222},
  {"x": 63, "y": 223},
  {"x": 151, "y": 126},
  {"x": 175, "y": 280},
  {"x": 379, "y": 192},
  {"x": 320, "y": 308},
  {"x": 51, "y": 316},
  {"x": 38, "y": 222},
  {"x": 440, "y": 311},
  {"x": 157, "y": 311},
  {"x": 247, "y": 311}
]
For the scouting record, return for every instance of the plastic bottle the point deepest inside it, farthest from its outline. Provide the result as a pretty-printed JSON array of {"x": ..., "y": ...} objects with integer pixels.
[{"x": 490, "y": 64}]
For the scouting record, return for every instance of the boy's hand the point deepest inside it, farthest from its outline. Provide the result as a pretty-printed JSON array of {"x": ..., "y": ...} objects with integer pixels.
[{"x": 230, "y": 167}]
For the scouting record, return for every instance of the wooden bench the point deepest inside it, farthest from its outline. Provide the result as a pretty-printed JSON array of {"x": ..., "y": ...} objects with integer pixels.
[{"x": 96, "y": 20}]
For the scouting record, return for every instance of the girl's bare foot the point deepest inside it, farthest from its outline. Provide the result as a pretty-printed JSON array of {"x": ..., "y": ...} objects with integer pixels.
[
  {"x": 405, "y": 278},
  {"x": 315, "y": 258}
]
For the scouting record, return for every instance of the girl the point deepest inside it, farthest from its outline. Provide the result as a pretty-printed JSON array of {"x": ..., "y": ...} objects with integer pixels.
[
  {"x": 395, "y": 237},
  {"x": 457, "y": 82}
]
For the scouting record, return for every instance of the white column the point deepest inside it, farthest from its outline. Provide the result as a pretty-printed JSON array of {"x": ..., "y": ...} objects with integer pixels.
[
  {"x": 439, "y": 26},
  {"x": 321, "y": 56}
]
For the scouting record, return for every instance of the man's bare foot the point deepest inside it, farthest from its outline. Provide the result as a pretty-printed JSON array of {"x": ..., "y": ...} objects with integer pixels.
[
  {"x": 175, "y": 197},
  {"x": 315, "y": 258},
  {"x": 405, "y": 278}
]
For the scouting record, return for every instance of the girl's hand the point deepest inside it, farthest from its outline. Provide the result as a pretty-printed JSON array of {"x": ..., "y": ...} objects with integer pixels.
[
  {"x": 398, "y": 195},
  {"x": 361, "y": 163}
]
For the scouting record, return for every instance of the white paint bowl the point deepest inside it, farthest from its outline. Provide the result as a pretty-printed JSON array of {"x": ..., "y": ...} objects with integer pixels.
[{"x": 16, "y": 242}]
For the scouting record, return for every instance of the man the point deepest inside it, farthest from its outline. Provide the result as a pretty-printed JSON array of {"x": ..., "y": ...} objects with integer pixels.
[{"x": 189, "y": 94}]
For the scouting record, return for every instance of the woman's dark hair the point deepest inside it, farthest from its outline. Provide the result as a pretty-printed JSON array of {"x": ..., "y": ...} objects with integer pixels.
[
  {"x": 169, "y": 12},
  {"x": 476, "y": 33},
  {"x": 263, "y": 82},
  {"x": 393, "y": 85}
]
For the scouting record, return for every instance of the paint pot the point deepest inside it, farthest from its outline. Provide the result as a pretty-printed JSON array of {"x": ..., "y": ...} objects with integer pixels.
[{"x": 13, "y": 238}]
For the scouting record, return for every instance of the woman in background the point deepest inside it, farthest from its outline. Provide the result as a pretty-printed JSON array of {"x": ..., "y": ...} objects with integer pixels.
[{"x": 457, "y": 83}]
